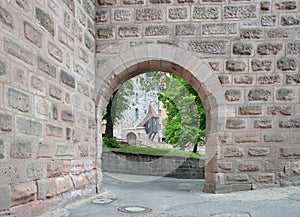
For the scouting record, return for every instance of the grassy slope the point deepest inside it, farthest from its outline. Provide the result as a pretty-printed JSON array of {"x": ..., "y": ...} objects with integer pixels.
[{"x": 155, "y": 151}]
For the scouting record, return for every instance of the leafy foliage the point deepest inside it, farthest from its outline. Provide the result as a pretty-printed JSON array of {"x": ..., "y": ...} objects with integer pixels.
[
  {"x": 110, "y": 142},
  {"x": 185, "y": 122}
]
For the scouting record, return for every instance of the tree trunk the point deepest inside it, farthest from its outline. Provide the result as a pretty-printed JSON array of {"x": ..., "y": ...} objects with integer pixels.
[
  {"x": 195, "y": 149},
  {"x": 110, "y": 117}
]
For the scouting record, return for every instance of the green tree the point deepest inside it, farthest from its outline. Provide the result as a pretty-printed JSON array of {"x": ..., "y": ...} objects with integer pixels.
[
  {"x": 116, "y": 105},
  {"x": 185, "y": 122}
]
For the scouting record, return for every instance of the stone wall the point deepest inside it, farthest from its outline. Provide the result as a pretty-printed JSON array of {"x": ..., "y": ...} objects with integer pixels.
[
  {"x": 47, "y": 145},
  {"x": 241, "y": 56},
  {"x": 153, "y": 165}
]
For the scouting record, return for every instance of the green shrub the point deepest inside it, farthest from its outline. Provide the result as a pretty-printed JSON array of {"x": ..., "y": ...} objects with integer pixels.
[{"x": 110, "y": 142}]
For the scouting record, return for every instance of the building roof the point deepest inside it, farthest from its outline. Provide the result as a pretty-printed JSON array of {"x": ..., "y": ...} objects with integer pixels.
[{"x": 151, "y": 114}]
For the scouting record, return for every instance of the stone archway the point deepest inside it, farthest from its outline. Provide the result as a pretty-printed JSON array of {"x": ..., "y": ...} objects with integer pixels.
[{"x": 183, "y": 63}]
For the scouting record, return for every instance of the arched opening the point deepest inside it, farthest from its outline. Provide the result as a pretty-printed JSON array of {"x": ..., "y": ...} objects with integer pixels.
[{"x": 184, "y": 64}]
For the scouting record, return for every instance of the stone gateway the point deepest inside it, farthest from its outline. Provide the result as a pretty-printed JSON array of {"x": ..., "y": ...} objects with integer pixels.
[{"x": 61, "y": 60}]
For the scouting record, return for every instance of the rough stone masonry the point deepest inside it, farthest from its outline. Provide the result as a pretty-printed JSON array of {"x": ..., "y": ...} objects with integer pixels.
[{"x": 60, "y": 61}]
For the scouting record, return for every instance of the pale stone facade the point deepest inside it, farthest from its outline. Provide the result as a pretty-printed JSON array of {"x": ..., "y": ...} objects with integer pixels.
[{"x": 242, "y": 57}]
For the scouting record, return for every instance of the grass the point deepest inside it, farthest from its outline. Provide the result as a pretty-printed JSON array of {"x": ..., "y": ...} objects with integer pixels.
[{"x": 155, "y": 151}]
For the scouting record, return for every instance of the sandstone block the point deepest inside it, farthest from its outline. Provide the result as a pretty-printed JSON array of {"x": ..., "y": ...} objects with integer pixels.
[
  {"x": 55, "y": 52},
  {"x": 54, "y": 169},
  {"x": 45, "y": 20},
  {"x": 33, "y": 35},
  {"x": 63, "y": 184},
  {"x": 249, "y": 166},
  {"x": 235, "y": 124},
  {"x": 6, "y": 123},
  {"x": 28, "y": 127},
  {"x": 23, "y": 193},
  {"x": 46, "y": 188},
  {"x": 54, "y": 131},
  {"x": 46, "y": 67},
  {"x": 233, "y": 152},
  {"x": 263, "y": 123},
  {"x": 2, "y": 150},
  {"x": 18, "y": 51},
  {"x": 259, "y": 151},
  {"x": 5, "y": 197},
  {"x": 21, "y": 149},
  {"x": 67, "y": 79}
]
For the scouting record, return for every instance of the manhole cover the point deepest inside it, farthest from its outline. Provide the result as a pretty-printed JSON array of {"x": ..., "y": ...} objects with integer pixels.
[
  {"x": 103, "y": 200},
  {"x": 134, "y": 209}
]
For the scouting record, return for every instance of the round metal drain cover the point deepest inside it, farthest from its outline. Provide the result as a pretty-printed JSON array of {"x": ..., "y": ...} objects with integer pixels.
[
  {"x": 134, "y": 209},
  {"x": 102, "y": 200}
]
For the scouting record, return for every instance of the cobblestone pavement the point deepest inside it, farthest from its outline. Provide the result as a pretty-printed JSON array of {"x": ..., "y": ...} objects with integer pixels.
[{"x": 168, "y": 197}]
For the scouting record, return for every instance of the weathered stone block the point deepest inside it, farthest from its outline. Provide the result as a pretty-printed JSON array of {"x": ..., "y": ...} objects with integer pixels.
[
  {"x": 55, "y": 52},
  {"x": 65, "y": 151},
  {"x": 18, "y": 100},
  {"x": 261, "y": 65},
  {"x": 114, "y": 2},
  {"x": 67, "y": 116},
  {"x": 233, "y": 152},
  {"x": 3, "y": 68},
  {"x": 213, "y": 29},
  {"x": 259, "y": 94},
  {"x": 149, "y": 14},
  {"x": 37, "y": 83},
  {"x": 244, "y": 79},
  {"x": 67, "y": 20},
  {"x": 83, "y": 88},
  {"x": 224, "y": 79},
  {"x": 23, "y": 193},
  {"x": 45, "y": 20},
  {"x": 42, "y": 108},
  {"x": 6, "y": 123},
  {"x": 103, "y": 16},
  {"x": 279, "y": 33},
  {"x": 251, "y": 34},
  {"x": 55, "y": 92},
  {"x": 237, "y": 177},
  {"x": 225, "y": 165},
  {"x": 290, "y": 123},
  {"x": 46, "y": 188},
  {"x": 156, "y": 30},
  {"x": 54, "y": 131},
  {"x": 28, "y": 127},
  {"x": 250, "y": 110},
  {"x": 63, "y": 184},
  {"x": 268, "y": 79},
  {"x": 18, "y": 51},
  {"x": 89, "y": 42},
  {"x": 275, "y": 137},
  {"x": 44, "y": 150},
  {"x": 259, "y": 151},
  {"x": 285, "y": 94},
  {"x": 36, "y": 170},
  {"x": 70, "y": 4},
  {"x": 65, "y": 38},
  {"x": 268, "y": 20},
  {"x": 293, "y": 79},
  {"x": 67, "y": 79},
  {"x": 129, "y": 31},
  {"x": 293, "y": 48},
  {"x": 290, "y": 152},
  {"x": 233, "y": 95},
  {"x": 239, "y": 11},
  {"x": 290, "y": 20},
  {"x": 263, "y": 123},
  {"x": 178, "y": 13},
  {"x": 249, "y": 166},
  {"x": 89, "y": 7},
  {"x": 54, "y": 169},
  {"x": 185, "y": 29},
  {"x": 215, "y": 47},
  {"x": 296, "y": 168},
  {"x": 235, "y": 124},
  {"x": 5, "y": 197},
  {"x": 206, "y": 13},
  {"x": 21, "y": 149},
  {"x": 33, "y": 35},
  {"x": 247, "y": 138},
  {"x": 286, "y": 5},
  {"x": 269, "y": 48},
  {"x": 266, "y": 178},
  {"x": 279, "y": 110},
  {"x": 6, "y": 18},
  {"x": 235, "y": 65},
  {"x": 105, "y": 32},
  {"x": 242, "y": 49}
]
